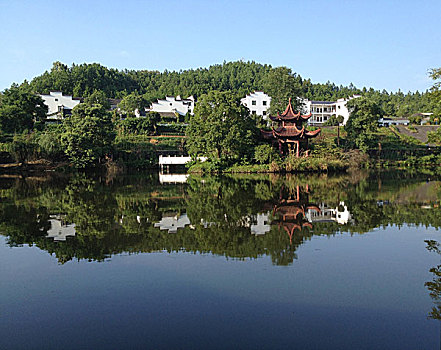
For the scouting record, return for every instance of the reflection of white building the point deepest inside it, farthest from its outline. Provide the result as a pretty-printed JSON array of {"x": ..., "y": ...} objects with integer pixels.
[
  {"x": 173, "y": 178},
  {"x": 322, "y": 111},
  {"x": 261, "y": 225},
  {"x": 59, "y": 105},
  {"x": 173, "y": 222},
  {"x": 257, "y": 102},
  {"x": 59, "y": 230},
  {"x": 172, "y": 105},
  {"x": 341, "y": 214}
]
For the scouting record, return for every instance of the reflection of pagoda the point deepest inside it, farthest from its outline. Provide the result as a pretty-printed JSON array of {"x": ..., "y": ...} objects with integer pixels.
[
  {"x": 291, "y": 133},
  {"x": 291, "y": 211}
]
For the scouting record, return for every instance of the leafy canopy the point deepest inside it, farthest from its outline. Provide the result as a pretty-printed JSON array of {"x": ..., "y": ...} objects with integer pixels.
[
  {"x": 281, "y": 84},
  {"x": 20, "y": 109},
  {"x": 363, "y": 122},
  {"x": 221, "y": 128},
  {"x": 130, "y": 103},
  {"x": 88, "y": 135}
]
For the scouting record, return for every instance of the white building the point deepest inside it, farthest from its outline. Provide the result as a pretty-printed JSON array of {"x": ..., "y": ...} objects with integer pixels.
[
  {"x": 257, "y": 102},
  {"x": 178, "y": 105},
  {"x": 59, "y": 105},
  {"x": 393, "y": 121},
  {"x": 322, "y": 111}
]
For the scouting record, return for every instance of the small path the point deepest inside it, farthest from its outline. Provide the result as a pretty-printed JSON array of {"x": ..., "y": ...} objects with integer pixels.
[{"x": 421, "y": 131}]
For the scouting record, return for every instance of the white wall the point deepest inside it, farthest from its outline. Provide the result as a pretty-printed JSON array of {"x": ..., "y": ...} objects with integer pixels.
[
  {"x": 56, "y": 100},
  {"x": 326, "y": 110},
  {"x": 174, "y": 104},
  {"x": 390, "y": 121},
  {"x": 258, "y": 103},
  {"x": 342, "y": 109}
]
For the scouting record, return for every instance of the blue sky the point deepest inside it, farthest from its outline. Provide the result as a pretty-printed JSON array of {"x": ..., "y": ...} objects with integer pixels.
[{"x": 380, "y": 44}]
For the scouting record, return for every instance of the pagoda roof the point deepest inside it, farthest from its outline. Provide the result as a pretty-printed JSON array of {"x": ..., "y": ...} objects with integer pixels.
[
  {"x": 293, "y": 131},
  {"x": 267, "y": 134},
  {"x": 289, "y": 115}
]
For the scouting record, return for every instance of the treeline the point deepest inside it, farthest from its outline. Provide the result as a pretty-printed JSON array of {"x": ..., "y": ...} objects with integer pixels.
[{"x": 238, "y": 77}]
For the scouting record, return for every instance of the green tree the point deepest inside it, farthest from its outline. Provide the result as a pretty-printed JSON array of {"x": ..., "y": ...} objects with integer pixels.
[
  {"x": 220, "y": 128},
  {"x": 265, "y": 154},
  {"x": 20, "y": 109},
  {"x": 363, "y": 122},
  {"x": 88, "y": 135},
  {"x": 142, "y": 125},
  {"x": 435, "y": 92},
  {"x": 130, "y": 103},
  {"x": 281, "y": 84},
  {"x": 98, "y": 97}
]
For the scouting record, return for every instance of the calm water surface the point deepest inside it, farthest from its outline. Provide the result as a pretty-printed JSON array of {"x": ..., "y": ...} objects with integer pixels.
[{"x": 248, "y": 262}]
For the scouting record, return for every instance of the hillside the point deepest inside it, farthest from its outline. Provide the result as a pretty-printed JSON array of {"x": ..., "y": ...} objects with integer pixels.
[{"x": 239, "y": 77}]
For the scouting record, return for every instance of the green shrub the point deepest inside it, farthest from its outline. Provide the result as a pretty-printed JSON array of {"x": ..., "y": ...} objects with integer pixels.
[
  {"x": 49, "y": 144},
  {"x": 265, "y": 154},
  {"x": 134, "y": 154},
  {"x": 133, "y": 125},
  {"x": 22, "y": 148}
]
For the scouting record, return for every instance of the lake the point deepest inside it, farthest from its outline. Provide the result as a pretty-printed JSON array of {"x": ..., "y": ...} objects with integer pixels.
[{"x": 154, "y": 261}]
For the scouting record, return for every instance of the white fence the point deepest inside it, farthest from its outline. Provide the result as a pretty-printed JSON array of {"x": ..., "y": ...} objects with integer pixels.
[{"x": 177, "y": 160}]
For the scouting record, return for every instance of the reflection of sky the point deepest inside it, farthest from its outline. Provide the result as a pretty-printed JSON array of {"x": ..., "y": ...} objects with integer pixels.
[{"x": 342, "y": 290}]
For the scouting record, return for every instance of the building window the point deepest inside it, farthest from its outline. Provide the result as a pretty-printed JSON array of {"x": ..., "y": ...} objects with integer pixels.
[
  {"x": 253, "y": 112},
  {"x": 264, "y": 103},
  {"x": 264, "y": 112},
  {"x": 171, "y": 104},
  {"x": 253, "y": 102},
  {"x": 56, "y": 100}
]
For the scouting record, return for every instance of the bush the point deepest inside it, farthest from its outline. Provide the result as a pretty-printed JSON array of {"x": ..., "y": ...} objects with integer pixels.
[
  {"x": 49, "y": 144},
  {"x": 172, "y": 128},
  {"x": 133, "y": 125},
  {"x": 134, "y": 154},
  {"x": 265, "y": 154},
  {"x": 22, "y": 147}
]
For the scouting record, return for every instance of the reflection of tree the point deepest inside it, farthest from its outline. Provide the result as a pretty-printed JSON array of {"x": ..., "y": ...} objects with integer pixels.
[
  {"x": 434, "y": 286},
  {"x": 117, "y": 217}
]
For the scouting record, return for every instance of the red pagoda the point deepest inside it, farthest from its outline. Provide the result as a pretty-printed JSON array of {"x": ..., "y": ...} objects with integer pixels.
[{"x": 290, "y": 133}]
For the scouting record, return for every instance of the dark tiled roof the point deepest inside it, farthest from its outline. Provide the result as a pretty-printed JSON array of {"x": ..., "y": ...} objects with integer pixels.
[
  {"x": 167, "y": 114},
  {"x": 114, "y": 101},
  {"x": 322, "y": 102}
]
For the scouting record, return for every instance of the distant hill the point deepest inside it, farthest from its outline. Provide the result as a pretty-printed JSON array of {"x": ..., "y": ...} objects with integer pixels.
[{"x": 240, "y": 77}]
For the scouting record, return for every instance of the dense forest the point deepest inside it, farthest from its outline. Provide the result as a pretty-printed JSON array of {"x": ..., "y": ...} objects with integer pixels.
[{"x": 238, "y": 77}]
